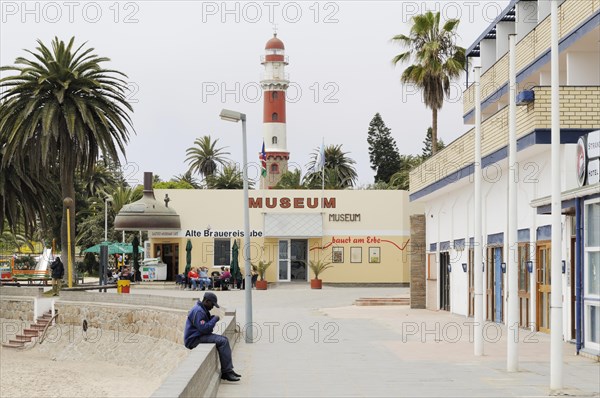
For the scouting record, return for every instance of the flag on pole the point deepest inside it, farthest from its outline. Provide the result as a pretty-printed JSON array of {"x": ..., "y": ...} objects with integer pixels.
[
  {"x": 320, "y": 160},
  {"x": 263, "y": 161}
]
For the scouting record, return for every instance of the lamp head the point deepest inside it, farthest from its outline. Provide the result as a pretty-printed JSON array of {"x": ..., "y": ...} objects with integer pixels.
[{"x": 232, "y": 116}]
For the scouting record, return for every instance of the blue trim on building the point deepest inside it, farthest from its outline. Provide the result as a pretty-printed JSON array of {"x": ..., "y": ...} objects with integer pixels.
[
  {"x": 445, "y": 246},
  {"x": 433, "y": 247},
  {"x": 523, "y": 235},
  {"x": 495, "y": 239},
  {"x": 543, "y": 233},
  {"x": 538, "y": 136},
  {"x": 540, "y": 61},
  {"x": 578, "y": 277}
]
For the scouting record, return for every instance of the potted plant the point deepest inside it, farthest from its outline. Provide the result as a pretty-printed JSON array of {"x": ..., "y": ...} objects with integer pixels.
[
  {"x": 261, "y": 268},
  {"x": 317, "y": 268}
]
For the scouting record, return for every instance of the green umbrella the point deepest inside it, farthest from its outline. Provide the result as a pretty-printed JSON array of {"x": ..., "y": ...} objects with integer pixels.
[
  {"x": 236, "y": 273},
  {"x": 113, "y": 248},
  {"x": 188, "y": 257}
]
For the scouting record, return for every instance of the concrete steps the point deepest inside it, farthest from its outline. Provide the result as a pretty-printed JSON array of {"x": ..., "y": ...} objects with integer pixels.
[
  {"x": 372, "y": 301},
  {"x": 30, "y": 333}
]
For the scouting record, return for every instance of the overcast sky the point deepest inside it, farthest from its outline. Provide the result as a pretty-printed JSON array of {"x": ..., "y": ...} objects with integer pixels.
[{"x": 187, "y": 60}]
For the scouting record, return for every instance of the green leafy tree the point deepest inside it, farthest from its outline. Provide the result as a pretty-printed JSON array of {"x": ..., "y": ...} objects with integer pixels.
[
  {"x": 339, "y": 170},
  {"x": 63, "y": 108},
  {"x": 173, "y": 185},
  {"x": 383, "y": 152},
  {"x": 204, "y": 156},
  {"x": 426, "y": 151},
  {"x": 438, "y": 60}
]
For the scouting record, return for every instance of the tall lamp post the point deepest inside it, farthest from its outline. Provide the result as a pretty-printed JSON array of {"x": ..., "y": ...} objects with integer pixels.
[
  {"x": 233, "y": 116},
  {"x": 106, "y": 200}
]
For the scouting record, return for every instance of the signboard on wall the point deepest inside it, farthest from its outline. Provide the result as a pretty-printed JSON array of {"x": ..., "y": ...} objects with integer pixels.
[{"x": 588, "y": 159}]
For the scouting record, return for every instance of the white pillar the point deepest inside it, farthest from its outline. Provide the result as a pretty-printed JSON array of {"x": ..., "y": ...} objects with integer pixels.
[
  {"x": 512, "y": 266},
  {"x": 556, "y": 338},
  {"x": 478, "y": 238}
]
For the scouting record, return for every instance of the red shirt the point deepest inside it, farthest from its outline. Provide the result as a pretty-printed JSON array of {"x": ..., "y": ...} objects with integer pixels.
[{"x": 192, "y": 274}]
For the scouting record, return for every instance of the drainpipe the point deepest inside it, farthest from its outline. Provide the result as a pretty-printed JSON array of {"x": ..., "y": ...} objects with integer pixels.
[{"x": 578, "y": 277}]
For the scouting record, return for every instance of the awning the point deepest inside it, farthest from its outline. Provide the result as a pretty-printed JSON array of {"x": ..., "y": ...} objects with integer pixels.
[
  {"x": 297, "y": 225},
  {"x": 567, "y": 198}
]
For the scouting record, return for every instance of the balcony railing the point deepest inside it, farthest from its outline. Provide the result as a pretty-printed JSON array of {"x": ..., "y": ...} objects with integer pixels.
[
  {"x": 578, "y": 110},
  {"x": 537, "y": 42}
]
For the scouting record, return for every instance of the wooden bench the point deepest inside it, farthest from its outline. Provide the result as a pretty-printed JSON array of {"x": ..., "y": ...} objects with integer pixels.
[{"x": 31, "y": 280}]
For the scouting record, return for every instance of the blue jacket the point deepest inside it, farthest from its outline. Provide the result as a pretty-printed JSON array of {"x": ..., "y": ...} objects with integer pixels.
[{"x": 199, "y": 323}]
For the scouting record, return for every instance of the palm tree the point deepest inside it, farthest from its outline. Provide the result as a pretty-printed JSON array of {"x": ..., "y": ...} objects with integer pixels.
[
  {"x": 63, "y": 108},
  {"x": 25, "y": 198},
  {"x": 123, "y": 195},
  {"x": 229, "y": 178},
  {"x": 438, "y": 60},
  {"x": 291, "y": 180},
  {"x": 339, "y": 169},
  {"x": 204, "y": 156},
  {"x": 400, "y": 179},
  {"x": 189, "y": 178}
]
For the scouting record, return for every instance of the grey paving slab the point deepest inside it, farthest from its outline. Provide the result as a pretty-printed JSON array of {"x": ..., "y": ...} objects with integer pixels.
[{"x": 316, "y": 343}]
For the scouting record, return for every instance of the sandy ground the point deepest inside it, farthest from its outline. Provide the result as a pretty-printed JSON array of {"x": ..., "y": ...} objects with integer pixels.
[{"x": 71, "y": 363}]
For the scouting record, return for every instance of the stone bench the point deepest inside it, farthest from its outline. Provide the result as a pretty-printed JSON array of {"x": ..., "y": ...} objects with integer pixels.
[{"x": 198, "y": 375}]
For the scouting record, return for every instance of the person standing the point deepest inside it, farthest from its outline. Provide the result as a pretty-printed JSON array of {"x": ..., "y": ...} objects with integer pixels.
[
  {"x": 58, "y": 271},
  {"x": 199, "y": 330}
]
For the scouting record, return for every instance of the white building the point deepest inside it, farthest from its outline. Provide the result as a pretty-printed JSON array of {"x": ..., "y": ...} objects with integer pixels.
[{"x": 444, "y": 184}]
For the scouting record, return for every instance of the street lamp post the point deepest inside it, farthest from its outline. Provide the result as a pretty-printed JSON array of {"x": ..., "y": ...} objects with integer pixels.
[
  {"x": 106, "y": 200},
  {"x": 232, "y": 116}
]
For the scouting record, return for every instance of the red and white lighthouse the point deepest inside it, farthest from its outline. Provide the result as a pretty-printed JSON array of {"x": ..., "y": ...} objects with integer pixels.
[{"x": 274, "y": 84}]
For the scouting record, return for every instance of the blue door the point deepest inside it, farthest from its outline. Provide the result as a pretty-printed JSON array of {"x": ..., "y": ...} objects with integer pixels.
[{"x": 498, "y": 284}]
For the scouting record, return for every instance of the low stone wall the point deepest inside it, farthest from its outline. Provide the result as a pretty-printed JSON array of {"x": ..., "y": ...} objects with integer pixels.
[
  {"x": 17, "y": 307},
  {"x": 162, "y": 323},
  {"x": 138, "y": 300},
  {"x": 30, "y": 291}
]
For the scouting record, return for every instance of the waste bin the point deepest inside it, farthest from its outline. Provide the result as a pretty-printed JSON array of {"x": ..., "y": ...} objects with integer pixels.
[{"x": 123, "y": 286}]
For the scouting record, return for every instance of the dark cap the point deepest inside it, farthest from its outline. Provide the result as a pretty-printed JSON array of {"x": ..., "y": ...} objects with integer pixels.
[{"x": 210, "y": 296}]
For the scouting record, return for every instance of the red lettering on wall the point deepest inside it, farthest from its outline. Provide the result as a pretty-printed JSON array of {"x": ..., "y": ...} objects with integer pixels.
[
  {"x": 329, "y": 203},
  {"x": 312, "y": 203},
  {"x": 298, "y": 203},
  {"x": 255, "y": 203},
  {"x": 285, "y": 203}
]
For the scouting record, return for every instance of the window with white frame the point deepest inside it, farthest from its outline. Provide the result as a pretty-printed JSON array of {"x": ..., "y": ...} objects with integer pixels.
[{"x": 591, "y": 272}]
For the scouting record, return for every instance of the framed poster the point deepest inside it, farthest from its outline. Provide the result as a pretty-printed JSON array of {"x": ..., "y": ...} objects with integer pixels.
[
  {"x": 374, "y": 254},
  {"x": 356, "y": 254},
  {"x": 337, "y": 255}
]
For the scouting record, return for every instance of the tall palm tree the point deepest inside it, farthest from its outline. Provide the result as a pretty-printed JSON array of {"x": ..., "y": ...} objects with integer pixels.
[
  {"x": 63, "y": 108},
  {"x": 24, "y": 198},
  {"x": 204, "y": 157},
  {"x": 437, "y": 58},
  {"x": 339, "y": 170}
]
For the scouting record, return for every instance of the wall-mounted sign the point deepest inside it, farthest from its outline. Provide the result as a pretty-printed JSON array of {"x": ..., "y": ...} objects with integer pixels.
[
  {"x": 347, "y": 217},
  {"x": 209, "y": 233},
  {"x": 295, "y": 203},
  {"x": 588, "y": 159}
]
